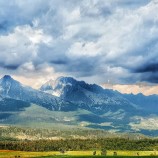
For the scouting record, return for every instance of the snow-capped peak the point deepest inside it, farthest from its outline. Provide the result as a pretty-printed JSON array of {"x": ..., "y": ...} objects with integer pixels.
[
  {"x": 56, "y": 87},
  {"x": 53, "y": 84},
  {"x": 66, "y": 80},
  {"x": 63, "y": 86}
]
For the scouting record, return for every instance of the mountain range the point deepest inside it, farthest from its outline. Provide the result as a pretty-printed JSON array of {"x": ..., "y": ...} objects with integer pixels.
[{"x": 68, "y": 103}]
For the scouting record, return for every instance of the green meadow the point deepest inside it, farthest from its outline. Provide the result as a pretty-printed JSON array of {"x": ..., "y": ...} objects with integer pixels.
[{"x": 75, "y": 154}]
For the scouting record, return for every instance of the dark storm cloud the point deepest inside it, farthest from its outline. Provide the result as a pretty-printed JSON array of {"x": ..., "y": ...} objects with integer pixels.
[
  {"x": 153, "y": 67},
  {"x": 151, "y": 77},
  {"x": 11, "y": 67},
  {"x": 132, "y": 3},
  {"x": 78, "y": 67},
  {"x": 148, "y": 72},
  {"x": 84, "y": 67},
  {"x": 58, "y": 62},
  {"x": 3, "y": 27}
]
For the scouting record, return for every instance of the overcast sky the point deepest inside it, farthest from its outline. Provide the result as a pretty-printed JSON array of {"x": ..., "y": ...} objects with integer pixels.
[{"x": 99, "y": 41}]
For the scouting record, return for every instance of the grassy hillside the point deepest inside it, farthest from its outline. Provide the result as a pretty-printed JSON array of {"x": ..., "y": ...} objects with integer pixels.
[
  {"x": 39, "y": 117},
  {"x": 56, "y": 133}
]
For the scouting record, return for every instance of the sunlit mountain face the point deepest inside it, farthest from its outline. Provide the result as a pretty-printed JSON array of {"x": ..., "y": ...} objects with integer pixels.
[{"x": 106, "y": 51}]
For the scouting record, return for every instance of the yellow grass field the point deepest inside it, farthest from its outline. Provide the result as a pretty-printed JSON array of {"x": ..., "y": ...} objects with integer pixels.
[{"x": 23, "y": 154}]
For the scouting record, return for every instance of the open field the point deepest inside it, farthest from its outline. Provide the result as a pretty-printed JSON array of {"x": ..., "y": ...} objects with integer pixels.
[
  {"x": 76, "y": 154},
  {"x": 98, "y": 156}
]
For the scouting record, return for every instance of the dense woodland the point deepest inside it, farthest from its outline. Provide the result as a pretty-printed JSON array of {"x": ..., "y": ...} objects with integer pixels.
[
  {"x": 41, "y": 140},
  {"x": 79, "y": 144}
]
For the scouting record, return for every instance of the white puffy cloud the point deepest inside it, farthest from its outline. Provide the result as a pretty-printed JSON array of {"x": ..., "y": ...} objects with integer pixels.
[
  {"x": 85, "y": 39},
  {"x": 21, "y": 46},
  {"x": 80, "y": 49}
]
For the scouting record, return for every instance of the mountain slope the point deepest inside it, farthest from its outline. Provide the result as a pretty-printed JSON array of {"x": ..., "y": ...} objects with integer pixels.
[
  {"x": 88, "y": 96},
  {"x": 11, "y": 88},
  {"x": 76, "y": 105},
  {"x": 147, "y": 103},
  {"x": 110, "y": 109},
  {"x": 9, "y": 107}
]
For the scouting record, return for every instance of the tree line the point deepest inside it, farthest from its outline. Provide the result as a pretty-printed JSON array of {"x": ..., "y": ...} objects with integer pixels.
[{"x": 79, "y": 144}]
